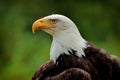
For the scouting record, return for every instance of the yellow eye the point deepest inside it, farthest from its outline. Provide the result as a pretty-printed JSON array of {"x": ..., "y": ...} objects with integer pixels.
[{"x": 54, "y": 21}]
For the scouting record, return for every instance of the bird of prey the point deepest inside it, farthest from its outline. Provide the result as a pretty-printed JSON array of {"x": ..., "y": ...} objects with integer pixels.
[{"x": 71, "y": 56}]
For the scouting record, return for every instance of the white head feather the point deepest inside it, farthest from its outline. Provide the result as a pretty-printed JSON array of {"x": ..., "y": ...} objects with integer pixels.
[{"x": 66, "y": 36}]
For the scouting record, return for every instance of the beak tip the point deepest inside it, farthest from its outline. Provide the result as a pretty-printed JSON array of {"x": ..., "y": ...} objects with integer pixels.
[
  {"x": 35, "y": 26},
  {"x": 33, "y": 31}
]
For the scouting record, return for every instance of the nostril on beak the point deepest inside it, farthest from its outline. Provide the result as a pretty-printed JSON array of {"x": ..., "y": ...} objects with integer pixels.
[{"x": 41, "y": 21}]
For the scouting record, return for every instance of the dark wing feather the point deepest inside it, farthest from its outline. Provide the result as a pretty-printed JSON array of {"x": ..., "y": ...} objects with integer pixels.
[
  {"x": 71, "y": 74},
  {"x": 68, "y": 74},
  {"x": 43, "y": 70},
  {"x": 96, "y": 65},
  {"x": 115, "y": 67}
]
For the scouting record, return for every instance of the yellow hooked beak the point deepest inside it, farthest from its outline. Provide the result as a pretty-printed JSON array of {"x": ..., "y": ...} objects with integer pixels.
[{"x": 41, "y": 24}]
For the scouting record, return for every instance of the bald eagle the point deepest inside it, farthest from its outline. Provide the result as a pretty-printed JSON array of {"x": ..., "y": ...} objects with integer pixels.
[{"x": 71, "y": 56}]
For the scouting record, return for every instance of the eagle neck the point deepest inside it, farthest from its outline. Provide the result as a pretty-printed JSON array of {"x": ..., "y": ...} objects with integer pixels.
[{"x": 65, "y": 42}]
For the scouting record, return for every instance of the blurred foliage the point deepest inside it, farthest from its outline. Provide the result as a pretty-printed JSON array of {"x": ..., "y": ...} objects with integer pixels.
[{"x": 21, "y": 52}]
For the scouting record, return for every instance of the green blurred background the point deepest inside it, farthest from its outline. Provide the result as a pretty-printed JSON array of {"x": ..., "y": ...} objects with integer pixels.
[{"x": 21, "y": 52}]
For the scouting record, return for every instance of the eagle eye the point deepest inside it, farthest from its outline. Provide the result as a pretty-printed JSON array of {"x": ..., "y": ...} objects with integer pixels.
[{"x": 54, "y": 21}]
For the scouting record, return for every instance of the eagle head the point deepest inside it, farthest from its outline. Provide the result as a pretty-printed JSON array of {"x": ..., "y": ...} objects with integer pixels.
[{"x": 66, "y": 36}]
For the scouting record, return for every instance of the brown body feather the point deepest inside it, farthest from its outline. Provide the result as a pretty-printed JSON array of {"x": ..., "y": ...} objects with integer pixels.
[{"x": 95, "y": 65}]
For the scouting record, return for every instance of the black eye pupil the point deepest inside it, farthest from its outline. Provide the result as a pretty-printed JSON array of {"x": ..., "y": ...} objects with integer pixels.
[{"x": 54, "y": 21}]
